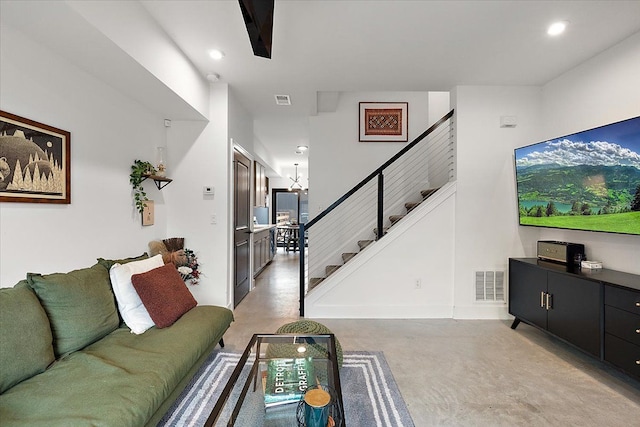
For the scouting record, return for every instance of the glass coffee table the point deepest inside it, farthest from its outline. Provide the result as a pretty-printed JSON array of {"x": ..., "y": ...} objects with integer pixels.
[{"x": 267, "y": 384}]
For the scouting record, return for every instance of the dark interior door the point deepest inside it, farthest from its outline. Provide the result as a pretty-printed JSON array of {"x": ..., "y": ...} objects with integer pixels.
[{"x": 241, "y": 212}]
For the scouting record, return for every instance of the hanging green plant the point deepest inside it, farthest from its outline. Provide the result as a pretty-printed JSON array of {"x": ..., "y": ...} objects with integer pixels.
[{"x": 139, "y": 171}]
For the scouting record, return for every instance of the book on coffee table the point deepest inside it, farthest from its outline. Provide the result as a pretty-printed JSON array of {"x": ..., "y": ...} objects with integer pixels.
[{"x": 286, "y": 380}]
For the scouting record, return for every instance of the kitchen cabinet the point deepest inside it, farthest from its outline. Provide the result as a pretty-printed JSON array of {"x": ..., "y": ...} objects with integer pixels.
[
  {"x": 261, "y": 185},
  {"x": 262, "y": 249}
]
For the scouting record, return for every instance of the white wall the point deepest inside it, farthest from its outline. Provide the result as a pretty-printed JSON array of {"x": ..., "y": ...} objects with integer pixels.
[
  {"x": 603, "y": 90},
  {"x": 484, "y": 213},
  {"x": 439, "y": 106},
  {"x": 381, "y": 281},
  {"x": 108, "y": 131},
  {"x": 338, "y": 161},
  {"x": 240, "y": 125},
  {"x": 199, "y": 155},
  {"x": 129, "y": 25},
  {"x": 487, "y": 231}
]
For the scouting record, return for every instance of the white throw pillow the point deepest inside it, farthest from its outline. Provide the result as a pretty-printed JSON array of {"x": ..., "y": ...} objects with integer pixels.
[{"x": 130, "y": 305}]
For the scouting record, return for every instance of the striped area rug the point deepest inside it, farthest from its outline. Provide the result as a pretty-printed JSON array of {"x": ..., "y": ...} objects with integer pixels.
[{"x": 369, "y": 392}]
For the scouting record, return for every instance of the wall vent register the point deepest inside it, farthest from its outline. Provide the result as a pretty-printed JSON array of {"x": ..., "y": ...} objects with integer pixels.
[{"x": 490, "y": 286}]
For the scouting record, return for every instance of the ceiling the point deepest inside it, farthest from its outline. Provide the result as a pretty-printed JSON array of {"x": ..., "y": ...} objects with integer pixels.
[
  {"x": 386, "y": 46},
  {"x": 348, "y": 45}
]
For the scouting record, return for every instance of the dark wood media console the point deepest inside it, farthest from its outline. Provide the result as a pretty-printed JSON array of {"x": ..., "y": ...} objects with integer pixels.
[{"x": 597, "y": 311}]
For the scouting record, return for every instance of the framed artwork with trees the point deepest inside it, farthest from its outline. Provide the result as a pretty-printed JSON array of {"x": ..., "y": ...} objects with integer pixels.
[{"x": 35, "y": 161}]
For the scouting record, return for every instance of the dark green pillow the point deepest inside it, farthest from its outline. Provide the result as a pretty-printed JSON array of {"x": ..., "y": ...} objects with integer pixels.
[
  {"x": 108, "y": 263},
  {"x": 26, "y": 347},
  {"x": 79, "y": 305}
]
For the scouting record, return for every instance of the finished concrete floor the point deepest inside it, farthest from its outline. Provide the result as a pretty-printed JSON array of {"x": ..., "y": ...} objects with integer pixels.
[{"x": 460, "y": 372}]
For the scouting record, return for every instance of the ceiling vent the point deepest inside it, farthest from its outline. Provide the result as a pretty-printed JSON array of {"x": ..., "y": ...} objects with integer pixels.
[{"x": 283, "y": 100}]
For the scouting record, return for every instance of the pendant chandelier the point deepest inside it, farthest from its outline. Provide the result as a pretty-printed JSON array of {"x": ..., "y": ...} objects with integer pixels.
[{"x": 295, "y": 185}]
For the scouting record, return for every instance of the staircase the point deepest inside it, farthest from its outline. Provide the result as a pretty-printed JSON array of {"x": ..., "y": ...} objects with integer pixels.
[
  {"x": 367, "y": 212},
  {"x": 362, "y": 244}
]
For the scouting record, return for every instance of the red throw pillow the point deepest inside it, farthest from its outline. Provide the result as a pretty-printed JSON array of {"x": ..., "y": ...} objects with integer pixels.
[{"x": 164, "y": 294}]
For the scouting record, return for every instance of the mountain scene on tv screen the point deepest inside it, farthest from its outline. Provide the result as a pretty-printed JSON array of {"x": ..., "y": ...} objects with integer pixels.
[{"x": 586, "y": 181}]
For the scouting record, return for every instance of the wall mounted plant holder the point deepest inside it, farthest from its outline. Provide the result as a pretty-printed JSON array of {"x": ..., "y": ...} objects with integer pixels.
[
  {"x": 141, "y": 171},
  {"x": 160, "y": 181}
]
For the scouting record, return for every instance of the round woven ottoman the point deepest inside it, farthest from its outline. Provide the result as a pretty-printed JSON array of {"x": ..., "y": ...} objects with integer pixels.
[{"x": 307, "y": 327}]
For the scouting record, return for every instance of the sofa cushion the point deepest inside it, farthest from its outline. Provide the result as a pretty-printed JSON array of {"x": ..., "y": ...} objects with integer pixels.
[
  {"x": 164, "y": 294},
  {"x": 108, "y": 263},
  {"x": 79, "y": 305},
  {"x": 26, "y": 343},
  {"x": 130, "y": 305}
]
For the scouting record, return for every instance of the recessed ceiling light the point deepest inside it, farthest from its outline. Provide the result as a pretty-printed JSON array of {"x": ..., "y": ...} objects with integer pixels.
[
  {"x": 216, "y": 54},
  {"x": 303, "y": 147},
  {"x": 557, "y": 28}
]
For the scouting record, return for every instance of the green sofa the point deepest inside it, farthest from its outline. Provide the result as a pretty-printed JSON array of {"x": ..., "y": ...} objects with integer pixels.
[{"x": 67, "y": 359}]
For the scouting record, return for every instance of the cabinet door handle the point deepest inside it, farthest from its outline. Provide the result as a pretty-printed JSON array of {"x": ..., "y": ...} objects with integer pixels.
[
  {"x": 549, "y": 301},
  {"x": 542, "y": 299}
]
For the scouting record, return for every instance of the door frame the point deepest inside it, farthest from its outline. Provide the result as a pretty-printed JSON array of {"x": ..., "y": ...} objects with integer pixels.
[
  {"x": 274, "y": 192},
  {"x": 236, "y": 147}
]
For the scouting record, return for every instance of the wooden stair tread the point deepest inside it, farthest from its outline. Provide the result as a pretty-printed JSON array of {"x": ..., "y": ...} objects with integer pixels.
[
  {"x": 384, "y": 230},
  {"x": 315, "y": 281},
  {"x": 364, "y": 243},
  {"x": 330, "y": 269},
  {"x": 395, "y": 218},
  {"x": 426, "y": 193},
  {"x": 411, "y": 206},
  {"x": 347, "y": 256}
]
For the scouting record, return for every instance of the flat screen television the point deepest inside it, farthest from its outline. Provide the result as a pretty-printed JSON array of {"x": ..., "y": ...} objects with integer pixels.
[{"x": 588, "y": 180}]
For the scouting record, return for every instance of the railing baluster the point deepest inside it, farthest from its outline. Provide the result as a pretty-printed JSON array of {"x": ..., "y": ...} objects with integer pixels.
[
  {"x": 301, "y": 247},
  {"x": 380, "y": 204}
]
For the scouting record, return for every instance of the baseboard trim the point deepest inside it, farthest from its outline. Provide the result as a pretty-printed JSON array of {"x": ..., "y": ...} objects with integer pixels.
[
  {"x": 378, "y": 312},
  {"x": 487, "y": 312}
]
